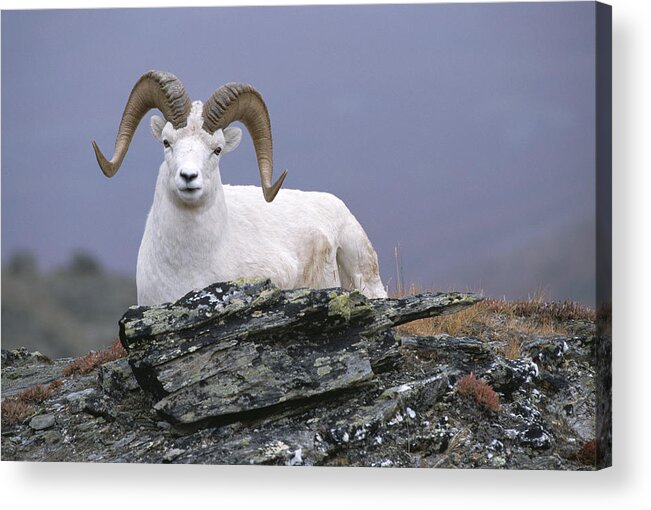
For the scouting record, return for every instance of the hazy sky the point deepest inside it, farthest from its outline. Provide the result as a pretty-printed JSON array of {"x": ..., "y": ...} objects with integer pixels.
[{"x": 462, "y": 133}]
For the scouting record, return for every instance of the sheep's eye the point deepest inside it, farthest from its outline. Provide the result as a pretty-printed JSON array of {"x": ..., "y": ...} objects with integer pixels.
[
  {"x": 217, "y": 151},
  {"x": 166, "y": 144}
]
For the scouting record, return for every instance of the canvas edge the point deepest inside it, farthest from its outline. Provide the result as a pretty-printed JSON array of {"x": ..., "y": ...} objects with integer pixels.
[{"x": 603, "y": 111}]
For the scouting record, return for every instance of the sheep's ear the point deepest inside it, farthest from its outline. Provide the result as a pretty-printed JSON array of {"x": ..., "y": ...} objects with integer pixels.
[
  {"x": 157, "y": 125},
  {"x": 233, "y": 137}
]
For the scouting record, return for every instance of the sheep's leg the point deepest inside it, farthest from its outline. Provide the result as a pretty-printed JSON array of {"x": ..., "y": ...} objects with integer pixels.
[
  {"x": 357, "y": 262},
  {"x": 319, "y": 266}
]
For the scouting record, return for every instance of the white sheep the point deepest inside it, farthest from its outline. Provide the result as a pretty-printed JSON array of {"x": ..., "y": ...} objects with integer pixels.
[{"x": 199, "y": 231}]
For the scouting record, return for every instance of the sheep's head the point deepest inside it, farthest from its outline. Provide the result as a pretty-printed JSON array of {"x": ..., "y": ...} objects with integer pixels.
[
  {"x": 187, "y": 127},
  {"x": 192, "y": 155}
]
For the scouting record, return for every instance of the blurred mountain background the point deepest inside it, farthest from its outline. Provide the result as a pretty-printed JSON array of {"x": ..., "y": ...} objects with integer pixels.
[
  {"x": 553, "y": 265},
  {"x": 70, "y": 310},
  {"x": 62, "y": 312}
]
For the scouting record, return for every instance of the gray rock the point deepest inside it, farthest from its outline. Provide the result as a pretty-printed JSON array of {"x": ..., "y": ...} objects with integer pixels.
[
  {"x": 236, "y": 348},
  {"x": 80, "y": 395},
  {"x": 42, "y": 421},
  {"x": 52, "y": 437},
  {"x": 172, "y": 454},
  {"x": 22, "y": 370},
  {"x": 449, "y": 348},
  {"x": 116, "y": 378},
  {"x": 121, "y": 443},
  {"x": 22, "y": 357}
]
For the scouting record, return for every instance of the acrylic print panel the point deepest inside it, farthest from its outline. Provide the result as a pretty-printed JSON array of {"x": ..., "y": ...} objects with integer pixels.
[{"x": 468, "y": 159}]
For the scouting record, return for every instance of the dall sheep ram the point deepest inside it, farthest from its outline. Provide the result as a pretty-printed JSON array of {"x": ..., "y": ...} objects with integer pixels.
[{"x": 200, "y": 231}]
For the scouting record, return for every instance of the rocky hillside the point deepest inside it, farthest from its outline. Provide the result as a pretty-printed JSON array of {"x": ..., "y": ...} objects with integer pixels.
[{"x": 243, "y": 373}]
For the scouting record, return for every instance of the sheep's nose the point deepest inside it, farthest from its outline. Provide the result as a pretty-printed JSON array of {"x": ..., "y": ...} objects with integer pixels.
[{"x": 188, "y": 175}]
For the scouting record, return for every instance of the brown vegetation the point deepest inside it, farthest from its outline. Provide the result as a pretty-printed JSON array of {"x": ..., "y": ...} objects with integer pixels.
[
  {"x": 15, "y": 411},
  {"x": 93, "y": 359},
  {"x": 483, "y": 394},
  {"x": 507, "y": 322},
  {"x": 55, "y": 384},
  {"x": 18, "y": 408},
  {"x": 36, "y": 393},
  {"x": 587, "y": 454}
]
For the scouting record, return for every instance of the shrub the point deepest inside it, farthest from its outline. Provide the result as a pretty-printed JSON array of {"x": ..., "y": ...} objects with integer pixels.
[
  {"x": 36, "y": 393},
  {"x": 587, "y": 454},
  {"x": 480, "y": 391},
  {"x": 15, "y": 411},
  {"x": 94, "y": 359},
  {"x": 21, "y": 406},
  {"x": 54, "y": 384}
]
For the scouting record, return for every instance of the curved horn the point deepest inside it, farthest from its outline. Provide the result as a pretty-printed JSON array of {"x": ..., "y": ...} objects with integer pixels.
[
  {"x": 241, "y": 102},
  {"x": 154, "y": 89}
]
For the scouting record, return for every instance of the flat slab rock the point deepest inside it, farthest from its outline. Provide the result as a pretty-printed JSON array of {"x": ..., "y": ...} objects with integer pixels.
[{"x": 239, "y": 349}]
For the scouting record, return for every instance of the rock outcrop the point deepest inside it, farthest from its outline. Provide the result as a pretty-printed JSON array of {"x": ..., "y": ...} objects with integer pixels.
[{"x": 244, "y": 373}]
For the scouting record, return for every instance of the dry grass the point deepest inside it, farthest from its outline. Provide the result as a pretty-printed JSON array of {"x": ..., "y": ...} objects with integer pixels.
[
  {"x": 15, "y": 411},
  {"x": 482, "y": 392},
  {"x": 55, "y": 384},
  {"x": 587, "y": 454},
  {"x": 507, "y": 322},
  {"x": 35, "y": 393},
  {"x": 18, "y": 408},
  {"x": 93, "y": 359}
]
